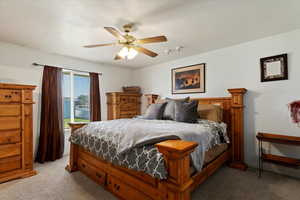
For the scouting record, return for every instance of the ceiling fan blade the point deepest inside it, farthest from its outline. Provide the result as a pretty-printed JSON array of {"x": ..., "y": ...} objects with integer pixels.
[
  {"x": 99, "y": 45},
  {"x": 145, "y": 51},
  {"x": 115, "y": 32},
  {"x": 152, "y": 40}
]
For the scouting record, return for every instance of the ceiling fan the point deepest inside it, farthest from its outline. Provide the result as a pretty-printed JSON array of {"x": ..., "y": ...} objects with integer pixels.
[{"x": 131, "y": 45}]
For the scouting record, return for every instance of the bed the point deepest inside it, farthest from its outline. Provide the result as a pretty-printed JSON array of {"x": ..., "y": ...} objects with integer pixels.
[{"x": 181, "y": 177}]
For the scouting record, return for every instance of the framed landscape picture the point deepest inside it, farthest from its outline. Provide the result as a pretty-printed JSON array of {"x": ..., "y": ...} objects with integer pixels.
[
  {"x": 274, "y": 68},
  {"x": 189, "y": 79}
]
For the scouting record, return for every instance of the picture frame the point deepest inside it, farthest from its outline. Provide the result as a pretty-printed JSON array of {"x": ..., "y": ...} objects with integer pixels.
[
  {"x": 188, "y": 79},
  {"x": 274, "y": 68}
]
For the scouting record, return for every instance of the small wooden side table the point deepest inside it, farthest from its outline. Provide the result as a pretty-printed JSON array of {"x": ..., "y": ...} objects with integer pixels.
[
  {"x": 151, "y": 98},
  {"x": 279, "y": 139}
]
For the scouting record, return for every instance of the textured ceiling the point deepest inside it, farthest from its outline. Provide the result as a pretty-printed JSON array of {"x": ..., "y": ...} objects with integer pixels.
[{"x": 63, "y": 26}]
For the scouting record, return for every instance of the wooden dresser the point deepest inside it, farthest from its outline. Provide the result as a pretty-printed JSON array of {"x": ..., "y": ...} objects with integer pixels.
[
  {"x": 16, "y": 154},
  {"x": 123, "y": 105}
]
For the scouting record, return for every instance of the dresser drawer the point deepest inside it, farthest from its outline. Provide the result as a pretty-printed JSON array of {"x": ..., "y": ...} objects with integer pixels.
[
  {"x": 9, "y": 164},
  {"x": 127, "y": 115},
  {"x": 128, "y": 106},
  {"x": 10, "y": 110},
  {"x": 27, "y": 96},
  {"x": 123, "y": 99},
  {"x": 132, "y": 100},
  {"x": 94, "y": 173},
  {"x": 123, "y": 190},
  {"x": 7, "y": 137},
  {"x": 8, "y": 96},
  {"x": 128, "y": 112},
  {"x": 7, "y": 123},
  {"x": 128, "y": 99},
  {"x": 8, "y": 150},
  {"x": 27, "y": 110}
]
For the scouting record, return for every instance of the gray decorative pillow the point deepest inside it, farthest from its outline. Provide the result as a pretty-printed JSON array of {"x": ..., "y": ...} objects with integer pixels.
[
  {"x": 169, "y": 111},
  {"x": 186, "y": 112},
  {"x": 154, "y": 111}
]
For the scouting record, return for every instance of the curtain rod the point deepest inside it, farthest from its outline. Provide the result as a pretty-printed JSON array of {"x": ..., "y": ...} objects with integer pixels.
[{"x": 40, "y": 65}]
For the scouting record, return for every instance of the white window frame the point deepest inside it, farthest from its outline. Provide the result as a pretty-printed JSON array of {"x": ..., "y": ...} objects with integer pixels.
[{"x": 72, "y": 73}]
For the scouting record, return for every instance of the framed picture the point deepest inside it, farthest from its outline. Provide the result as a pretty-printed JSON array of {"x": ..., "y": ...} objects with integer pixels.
[
  {"x": 274, "y": 68},
  {"x": 189, "y": 79}
]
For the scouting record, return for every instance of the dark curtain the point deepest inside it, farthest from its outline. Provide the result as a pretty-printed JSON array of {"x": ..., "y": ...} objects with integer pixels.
[
  {"x": 95, "y": 102},
  {"x": 51, "y": 141}
]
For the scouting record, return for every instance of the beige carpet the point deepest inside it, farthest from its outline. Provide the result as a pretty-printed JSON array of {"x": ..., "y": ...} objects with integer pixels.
[{"x": 54, "y": 183}]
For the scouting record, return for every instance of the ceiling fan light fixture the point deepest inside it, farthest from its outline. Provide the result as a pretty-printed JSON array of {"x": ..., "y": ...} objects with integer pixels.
[
  {"x": 127, "y": 53},
  {"x": 130, "y": 45}
]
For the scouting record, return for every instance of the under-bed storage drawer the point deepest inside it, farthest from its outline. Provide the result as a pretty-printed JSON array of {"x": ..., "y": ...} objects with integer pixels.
[
  {"x": 9, "y": 164},
  {"x": 94, "y": 173},
  {"x": 125, "y": 191}
]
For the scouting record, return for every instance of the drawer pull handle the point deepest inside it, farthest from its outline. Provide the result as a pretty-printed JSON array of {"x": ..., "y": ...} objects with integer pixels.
[
  {"x": 98, "y": 175},
  {"x": 117, "y": 187},
  {"x": 8, "y": 139},
  {"x": 83, "y": 165}
]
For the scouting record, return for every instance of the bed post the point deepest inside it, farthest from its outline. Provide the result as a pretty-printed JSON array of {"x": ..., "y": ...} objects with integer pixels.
[
  {"x": 237, "y": 128},
  {"x": 177, "y": 157},
  {"x": 72, "y": 166}
]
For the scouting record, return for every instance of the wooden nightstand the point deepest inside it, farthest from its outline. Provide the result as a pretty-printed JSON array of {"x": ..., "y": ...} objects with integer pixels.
[
  {"x": 151, "y": 98},
  {"x": 279, "y": 139}
]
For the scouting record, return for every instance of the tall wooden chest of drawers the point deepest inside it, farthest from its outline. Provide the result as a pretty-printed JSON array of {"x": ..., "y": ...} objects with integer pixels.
[
  {"x": 123, "y": 105},
  {"x": 16, "y": 154}
]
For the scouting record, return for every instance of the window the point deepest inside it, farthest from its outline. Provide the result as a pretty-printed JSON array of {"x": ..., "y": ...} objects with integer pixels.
[{"x": 76, "y": 97}]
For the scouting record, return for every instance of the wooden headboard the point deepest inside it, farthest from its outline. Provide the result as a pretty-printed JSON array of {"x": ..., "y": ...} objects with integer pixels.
[{"x": 233, "y": 116}]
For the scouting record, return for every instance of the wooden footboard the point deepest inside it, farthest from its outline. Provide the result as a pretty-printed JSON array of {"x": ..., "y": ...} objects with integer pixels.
[{"x": 177, "y": 159}]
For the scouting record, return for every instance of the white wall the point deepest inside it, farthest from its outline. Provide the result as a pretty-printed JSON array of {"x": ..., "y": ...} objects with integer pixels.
[
  {"x": 16, "y": 67},
  {"x": 238, "y": 67}
]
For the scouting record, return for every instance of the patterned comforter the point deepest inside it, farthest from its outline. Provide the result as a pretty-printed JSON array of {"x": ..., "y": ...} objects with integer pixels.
[{"x": 130, "y": 142}]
